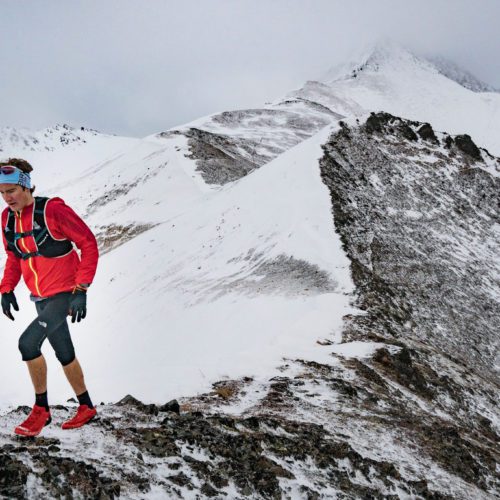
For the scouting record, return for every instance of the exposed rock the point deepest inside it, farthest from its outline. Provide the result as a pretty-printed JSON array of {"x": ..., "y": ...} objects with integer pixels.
[
  {"x": 219, "y": 158},
  {"x": 400, "y": 367},
  {"x": 448, "y": 141},
  {"x": 284, "y": 275},
  {"x": 407, "y": 132},
  {"x": 170, "y": 406},
  {"x": 376, "y": 122},
  {"x": 466, "y": 144},
  {"x": 113, "y": 235},
  {"x": 130, "y": 400},
  {"x": 13, "y": 477},
  {"x": 427, "y": 133},
  {"x": 62, "y": 475}
]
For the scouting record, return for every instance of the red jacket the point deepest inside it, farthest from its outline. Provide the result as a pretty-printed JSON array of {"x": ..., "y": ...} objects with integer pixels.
[{"x": 46, "y": 276}]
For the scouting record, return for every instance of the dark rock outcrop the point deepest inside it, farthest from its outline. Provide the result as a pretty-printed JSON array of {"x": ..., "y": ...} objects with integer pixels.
[
  {"x": 427, "y": 133},
  {"x": 466, "y": 145}
]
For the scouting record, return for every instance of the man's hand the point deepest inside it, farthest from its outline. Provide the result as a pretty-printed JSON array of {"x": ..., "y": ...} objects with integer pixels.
[
  {"x": 8, "y": 299},
  {"x": 78, "y": 304}
]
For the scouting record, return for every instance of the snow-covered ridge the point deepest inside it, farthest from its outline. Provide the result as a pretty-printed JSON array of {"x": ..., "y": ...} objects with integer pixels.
[
  {"x": 229, "y": 145},
  {"x": 47, "y": 139},
  {"x": 60, "y": 154}
]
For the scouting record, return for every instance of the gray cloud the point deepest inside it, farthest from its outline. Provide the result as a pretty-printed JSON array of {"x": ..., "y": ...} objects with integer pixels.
[{"x": 134, "y": 68}]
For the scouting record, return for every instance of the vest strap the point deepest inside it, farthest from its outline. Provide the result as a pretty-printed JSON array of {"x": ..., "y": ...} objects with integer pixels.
[
  {"x": 26, "y": 256},
  {"x": 18, "y": 236},
  {"x": 42, "y": 233}
]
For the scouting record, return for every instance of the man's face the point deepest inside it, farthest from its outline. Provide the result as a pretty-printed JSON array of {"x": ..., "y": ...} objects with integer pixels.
[{"x": 14, "y": 196}]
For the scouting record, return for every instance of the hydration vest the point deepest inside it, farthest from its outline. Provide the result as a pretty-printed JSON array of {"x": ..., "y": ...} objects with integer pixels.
[{"x": 46, "y": 245}]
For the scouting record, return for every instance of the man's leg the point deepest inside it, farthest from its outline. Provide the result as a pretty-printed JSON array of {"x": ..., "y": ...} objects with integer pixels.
[
  {"x": 49, "y": 318},
  {"x": 30, "y": 344},
  {"x": 74, "y": 374},
  {"x": 60, "y": 339},
  {"x": 38, "y": 373},
  {"x": 86, "y": 410},
  {"x": 40, "y": 414}
]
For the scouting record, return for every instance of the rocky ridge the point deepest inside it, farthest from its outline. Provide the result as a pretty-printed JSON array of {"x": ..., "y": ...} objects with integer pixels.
[{"x": 421, "y": 212}]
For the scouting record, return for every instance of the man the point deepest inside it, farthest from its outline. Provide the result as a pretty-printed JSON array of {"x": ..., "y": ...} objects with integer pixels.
[{"x": 38, "y": 236}]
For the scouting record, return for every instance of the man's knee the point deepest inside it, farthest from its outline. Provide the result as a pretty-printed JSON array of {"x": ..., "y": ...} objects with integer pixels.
[
  {"x": 29, "y": 347},
  {"x": 65, "y": 357}
]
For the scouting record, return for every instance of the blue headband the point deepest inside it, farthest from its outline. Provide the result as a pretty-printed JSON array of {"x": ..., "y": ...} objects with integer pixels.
[{"x": 16, "y": 177}]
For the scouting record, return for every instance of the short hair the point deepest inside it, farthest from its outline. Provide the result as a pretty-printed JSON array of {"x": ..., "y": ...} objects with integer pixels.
[{"x": 22, "y": 165}]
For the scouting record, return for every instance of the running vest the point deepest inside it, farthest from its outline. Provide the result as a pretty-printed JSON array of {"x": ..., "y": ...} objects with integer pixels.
[{"x": 46, "y": 245}]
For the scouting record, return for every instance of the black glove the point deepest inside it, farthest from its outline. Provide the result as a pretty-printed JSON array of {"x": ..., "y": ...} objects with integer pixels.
[
  {"x": 8, "y": 299},
  {"x": 78, "y": 304}
]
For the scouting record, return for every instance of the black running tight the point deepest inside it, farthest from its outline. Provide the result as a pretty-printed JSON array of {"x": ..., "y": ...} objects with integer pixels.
[{"x": 51, "y": 323}]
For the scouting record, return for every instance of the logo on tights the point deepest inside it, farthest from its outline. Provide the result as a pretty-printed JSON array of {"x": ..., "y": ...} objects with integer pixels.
[{"x": 43, "y": 324}]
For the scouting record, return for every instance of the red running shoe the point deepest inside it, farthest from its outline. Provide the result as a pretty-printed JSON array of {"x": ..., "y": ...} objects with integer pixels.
[
  {"x": 83, "y": 415},
  {"x": 36, "y": 421}
]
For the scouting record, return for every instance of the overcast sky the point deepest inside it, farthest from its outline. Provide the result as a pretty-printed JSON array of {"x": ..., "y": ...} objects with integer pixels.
[{"x": 135, "y": 67}]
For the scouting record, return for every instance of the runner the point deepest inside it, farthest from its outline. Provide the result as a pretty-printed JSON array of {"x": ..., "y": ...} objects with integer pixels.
[{"x": 38, "y": 236}]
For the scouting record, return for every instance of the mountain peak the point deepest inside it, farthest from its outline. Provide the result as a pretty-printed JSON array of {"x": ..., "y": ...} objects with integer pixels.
[
  {"x": 386, "y": 50},
  {"x": 387, "y": 55},
  {"x": 384, "y": 53}
]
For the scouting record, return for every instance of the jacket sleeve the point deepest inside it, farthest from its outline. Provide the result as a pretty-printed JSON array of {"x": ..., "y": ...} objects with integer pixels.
[
  {"x": 65, "y": 223},
  {"x": 12, "y": 271}
]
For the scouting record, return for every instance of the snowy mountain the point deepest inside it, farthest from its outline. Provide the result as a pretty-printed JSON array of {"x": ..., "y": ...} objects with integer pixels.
[{"x": 316, "y": 285}]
